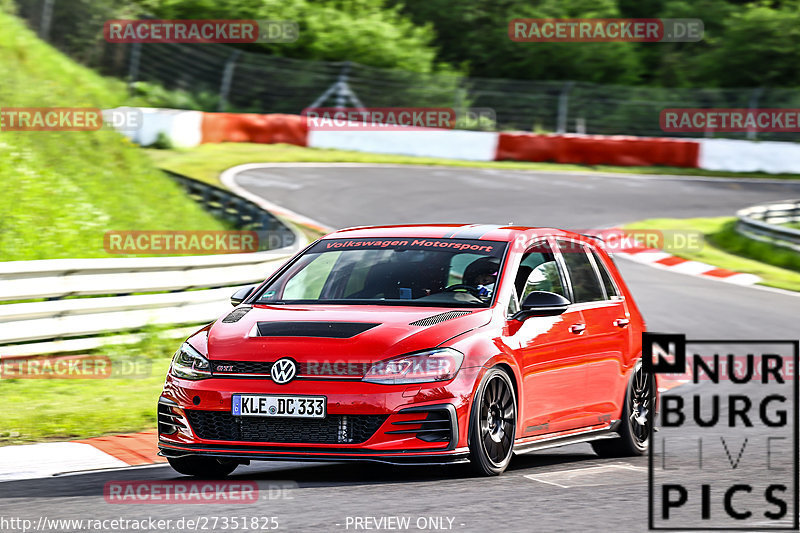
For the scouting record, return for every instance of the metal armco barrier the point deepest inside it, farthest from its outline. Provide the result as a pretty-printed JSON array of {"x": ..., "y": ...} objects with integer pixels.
[
  {"x": 240, "y": 212},
  {"x": 115, "y": 285},
  {"x": 765, "y": 223}
]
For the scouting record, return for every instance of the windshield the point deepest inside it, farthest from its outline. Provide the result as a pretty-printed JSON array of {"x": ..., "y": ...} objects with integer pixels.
[{"x": 398, "y": 271}]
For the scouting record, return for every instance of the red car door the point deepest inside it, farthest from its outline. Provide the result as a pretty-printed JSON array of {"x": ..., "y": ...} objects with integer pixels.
[
  {"x": 607, "y": 337},
  {"x": 551, "y": 350}
]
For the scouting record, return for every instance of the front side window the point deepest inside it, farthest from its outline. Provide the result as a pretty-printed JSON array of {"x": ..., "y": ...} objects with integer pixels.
[
  {"x": 410, "y": 271},
  {"x": 586, "y": 285},
  {"x": 538, "y": 271}
]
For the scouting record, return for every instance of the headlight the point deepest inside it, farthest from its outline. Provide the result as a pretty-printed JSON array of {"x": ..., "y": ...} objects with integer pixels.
[
  {"x": 188, "y": 363},
  {"x": 440, "y": 364}
]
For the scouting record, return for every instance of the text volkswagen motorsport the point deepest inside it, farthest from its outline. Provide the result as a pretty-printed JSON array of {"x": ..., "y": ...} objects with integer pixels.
[{"x": 416, "y": 344}]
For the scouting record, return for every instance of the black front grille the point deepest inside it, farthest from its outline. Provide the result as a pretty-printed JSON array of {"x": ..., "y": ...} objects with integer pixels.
[
  {"x": 334, "y": 429},
  {"x": 241, "y": 367},
  {"x": 319, "y": 369}
]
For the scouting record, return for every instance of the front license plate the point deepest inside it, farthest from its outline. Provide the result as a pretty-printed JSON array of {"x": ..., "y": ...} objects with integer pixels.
[{"x": 278, "y": 406}]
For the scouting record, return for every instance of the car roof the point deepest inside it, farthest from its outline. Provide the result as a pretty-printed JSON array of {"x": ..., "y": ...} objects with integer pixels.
[{"x": 485, "y": 232}]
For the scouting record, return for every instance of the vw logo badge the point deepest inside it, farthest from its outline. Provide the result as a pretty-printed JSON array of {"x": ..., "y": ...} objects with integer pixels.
[{"x": 283, "y": 371}]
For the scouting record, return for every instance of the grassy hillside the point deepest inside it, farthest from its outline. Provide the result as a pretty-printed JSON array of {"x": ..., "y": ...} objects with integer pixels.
[{"x": 60, "y": 191}]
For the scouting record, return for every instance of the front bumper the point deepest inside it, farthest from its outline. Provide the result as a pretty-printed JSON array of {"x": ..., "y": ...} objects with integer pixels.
[
  {"x": 407, "y": 424},
  {"x": 261, "y": 453}
]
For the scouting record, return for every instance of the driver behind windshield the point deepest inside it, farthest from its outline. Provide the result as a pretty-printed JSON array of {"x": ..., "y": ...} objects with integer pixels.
[{"x": 482, "y": 274}]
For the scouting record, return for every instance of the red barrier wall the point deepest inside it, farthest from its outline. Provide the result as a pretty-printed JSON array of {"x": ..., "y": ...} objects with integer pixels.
[
  {"x": 577, "y": 149},
  {"x": 598, "y": 150},
  {"x": 253, "y": 128}
]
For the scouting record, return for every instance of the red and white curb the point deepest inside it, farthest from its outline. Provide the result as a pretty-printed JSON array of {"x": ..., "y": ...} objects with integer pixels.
[
  {"x": 47, "y": 459},
  {"x": 660, "y": 259}
]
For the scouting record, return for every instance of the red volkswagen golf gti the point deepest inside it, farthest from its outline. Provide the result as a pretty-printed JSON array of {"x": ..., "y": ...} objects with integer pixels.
[{"x": 416, "y": 345}]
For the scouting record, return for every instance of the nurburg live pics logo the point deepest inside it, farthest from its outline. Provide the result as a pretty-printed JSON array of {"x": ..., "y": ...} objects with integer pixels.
[{"x": 723, "y": 452}]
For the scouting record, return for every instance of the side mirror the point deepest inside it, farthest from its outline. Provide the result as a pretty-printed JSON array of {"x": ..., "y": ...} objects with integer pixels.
[
  {"x": 541, "y": 303},
  {"x": 241, "y": 295}
]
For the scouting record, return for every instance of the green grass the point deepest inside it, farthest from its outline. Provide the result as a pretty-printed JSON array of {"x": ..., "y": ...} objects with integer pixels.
[
  {"x": 724, "y": 248},
  {"x": 205, "y": 162},
  {"x": 65, "y": 409},
  {"x": 61, "y": 191}
]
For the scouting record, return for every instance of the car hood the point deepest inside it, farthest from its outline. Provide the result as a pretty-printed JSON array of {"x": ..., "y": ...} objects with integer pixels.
[{"x": 334, "y": 333}]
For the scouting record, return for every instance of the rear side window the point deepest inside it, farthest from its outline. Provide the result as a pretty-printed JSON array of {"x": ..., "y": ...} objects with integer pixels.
[
  {"x": 611, "y": 289},
  {"x": 586, "y": 286}
]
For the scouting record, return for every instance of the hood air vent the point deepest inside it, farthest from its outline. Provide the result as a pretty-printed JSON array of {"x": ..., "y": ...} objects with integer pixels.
[
  {"x": 236, "y": 315},
  {"x": 333, "y": 330},
  {"x": 441, "y": 317}
]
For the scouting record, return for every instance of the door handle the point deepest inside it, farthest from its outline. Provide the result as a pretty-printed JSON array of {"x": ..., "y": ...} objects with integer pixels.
[
  {"x": 621, "y": 322},
  {"x": 577, "y": 329}
]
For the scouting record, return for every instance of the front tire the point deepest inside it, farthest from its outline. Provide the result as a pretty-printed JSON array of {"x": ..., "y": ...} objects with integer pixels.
[
  {"x": 493, "y": 424},
  {"x": 202, "y": 467},
  {"x": 638, "y": 415}
]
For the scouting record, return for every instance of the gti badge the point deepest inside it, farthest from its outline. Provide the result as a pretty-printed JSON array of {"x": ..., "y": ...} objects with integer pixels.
[{"x": 283, "y": 371}]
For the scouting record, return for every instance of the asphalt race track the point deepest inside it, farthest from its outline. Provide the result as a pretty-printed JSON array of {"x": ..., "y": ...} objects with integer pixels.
[
  {"x": 568, "y": 489},
  {"x": 355, "y": 195}
]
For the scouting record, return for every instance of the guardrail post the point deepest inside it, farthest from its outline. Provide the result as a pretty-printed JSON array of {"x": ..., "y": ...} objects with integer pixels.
[
  {"x": 133, "y": 67},
  {"x": 563, "y": 103},
  {"x": 754, "y": 97},
  {"x": 227, "y": 77},
  {"x": 343, "y": 90},
  {"x": 47, "y": 18}
]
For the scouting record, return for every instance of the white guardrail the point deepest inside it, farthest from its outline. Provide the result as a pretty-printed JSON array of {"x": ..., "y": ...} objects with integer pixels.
[
  {"x": 765, "y": 223},
  {"x": 111, "y": 303}
]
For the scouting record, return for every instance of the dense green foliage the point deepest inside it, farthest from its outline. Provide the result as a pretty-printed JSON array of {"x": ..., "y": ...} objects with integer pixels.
[
  {"x": 363, "y": 31},
  {"x": 746, "y": 44}
]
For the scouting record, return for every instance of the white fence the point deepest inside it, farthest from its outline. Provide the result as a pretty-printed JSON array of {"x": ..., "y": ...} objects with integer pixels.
[
  {"x": 64, "y": 301},
  {"x": 60, "y": 318}
]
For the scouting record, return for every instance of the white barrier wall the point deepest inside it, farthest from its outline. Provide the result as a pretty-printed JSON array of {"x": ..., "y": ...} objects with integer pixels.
[
  {"x": 749, "y": 156},
  {"x": 450, "y": 144},
  {"x": 182, "y": 128},
  {"x": 185, "y": 130}
]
